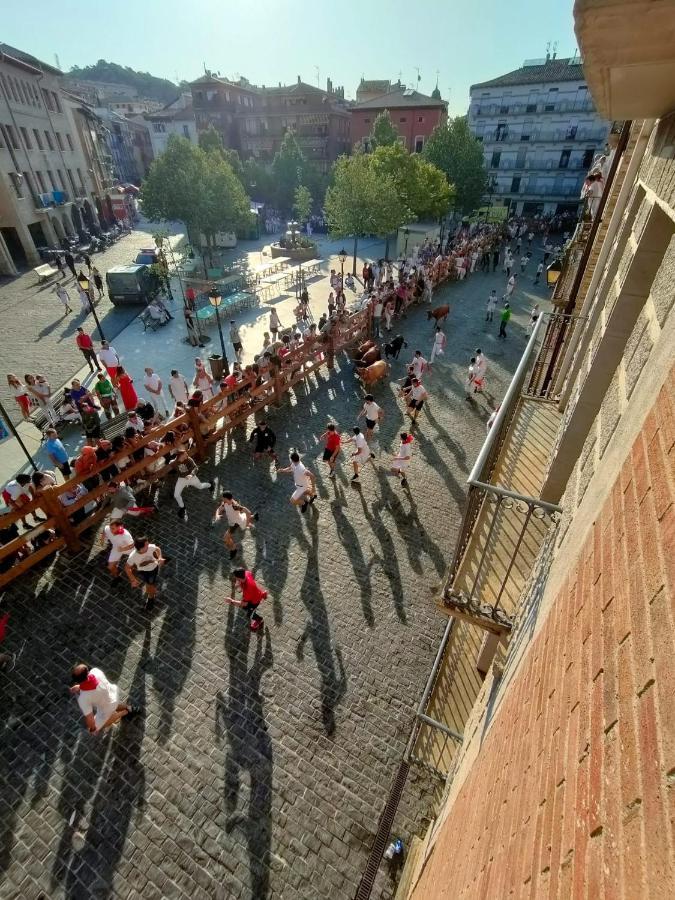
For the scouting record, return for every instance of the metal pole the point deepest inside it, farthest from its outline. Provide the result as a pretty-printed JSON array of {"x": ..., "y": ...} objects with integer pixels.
[
  {"x": 15, "y": 433},
  {"x": 220, "y": 332},
  {"x": 98, "y": 324}
]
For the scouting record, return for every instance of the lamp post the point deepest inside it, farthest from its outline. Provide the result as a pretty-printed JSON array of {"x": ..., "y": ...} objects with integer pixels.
[
  {"x": 406, "y": 232},
  {"x": 215, "y": 300},
  {"x": 84, "y": 284},
  {"x": 342, "y": 256}
]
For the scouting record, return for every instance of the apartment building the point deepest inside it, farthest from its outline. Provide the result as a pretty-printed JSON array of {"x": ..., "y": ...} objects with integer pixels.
[
  {"x": 129, "y": 150},
  {"x": 413, "y": 115},
  {"x": 540, "y": 131},
  {"x": 177, "y": 118},
  {"x": 549, "y": 714},
  {"x": 46, "y": 186},
  {"x": 253, "y": 120}
]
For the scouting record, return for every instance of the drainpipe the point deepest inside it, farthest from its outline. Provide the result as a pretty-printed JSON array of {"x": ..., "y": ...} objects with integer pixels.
[{"x": 581, "y": 337}]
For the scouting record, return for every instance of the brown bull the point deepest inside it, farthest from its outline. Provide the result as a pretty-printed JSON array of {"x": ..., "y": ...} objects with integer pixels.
[
  {"x": 369, "y": 357},
  {"x": 363, "y": 349},
  {"x": 374, "y": 373},
  {"x": 440, "y": 314}
]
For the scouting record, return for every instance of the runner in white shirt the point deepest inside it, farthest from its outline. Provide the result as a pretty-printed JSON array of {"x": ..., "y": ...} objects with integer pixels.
[
  {"x": 153, "y": 384},
  {"x": 305, "y": 484},
  {"x": 178, "y": 388},
  {"x": 373, "y": 414},
  {"x": 122, "y": 543},
  {"x": 418, "y": 363},
  {"x": 511, "y": 285},
  {"x": 236, "y": 516},
  {"x": 481, "y": 365},
  {"x": 439, "y": 345},
  {"x": 98, "y": 698},
  {"x": 473, "y": 380},
  {"x": 415, "y": 397},
  {"x": 400, "y": 462},
  {"x": 144, "y": 562},
  {"x": 362, "y": 454}
]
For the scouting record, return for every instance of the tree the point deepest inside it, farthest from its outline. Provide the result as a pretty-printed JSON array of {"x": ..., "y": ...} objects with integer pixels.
[
  {"x": 147, "y": 85},
  {"x": 211, "y": 142},
  {"x": 287, "y": 168},
  {"x": 302, "y": 207},
  {"x": 422, "y": 188},
  {"x": 456, "y": 152},
  {"x": 383, "y": 133},
  {"x": 361, "y": 202},
  {"x": 227, "y": 207}
]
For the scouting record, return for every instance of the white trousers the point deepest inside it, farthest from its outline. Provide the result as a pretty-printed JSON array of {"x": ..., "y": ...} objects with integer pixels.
[{"x": 190, "y": 481}]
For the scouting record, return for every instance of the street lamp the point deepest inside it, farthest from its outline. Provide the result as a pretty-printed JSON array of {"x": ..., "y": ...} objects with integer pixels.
[
  {"x": 553, "y": 273},
  {"x": 342, "y": 256},
  {"x": 84, "y": 284},
  {"x": 406, "y": 232},
  {"x": 215, "y": 300}
]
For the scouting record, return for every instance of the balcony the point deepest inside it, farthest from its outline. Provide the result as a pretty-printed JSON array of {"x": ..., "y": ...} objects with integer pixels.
[
  {"x": 542, "y": 135},
  {"x": 519, "y": 109},
  {"x": 505, "y": 526},
  {"x": 629, "y": 56},
  {"x": 60, "y": 198}
]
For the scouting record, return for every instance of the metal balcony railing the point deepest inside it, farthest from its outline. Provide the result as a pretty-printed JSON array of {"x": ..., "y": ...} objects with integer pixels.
[{"x": 516, "y": 109}]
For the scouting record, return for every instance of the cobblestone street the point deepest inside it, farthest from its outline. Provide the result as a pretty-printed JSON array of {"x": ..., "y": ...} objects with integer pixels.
[{"x": 263, "y": 761}]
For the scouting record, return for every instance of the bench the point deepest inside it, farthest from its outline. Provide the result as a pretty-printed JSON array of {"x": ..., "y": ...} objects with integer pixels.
[
  {"x": 39, "y": 417},
  {"x": 148, "y": 322},
  {"x": 45, "y": 272}
]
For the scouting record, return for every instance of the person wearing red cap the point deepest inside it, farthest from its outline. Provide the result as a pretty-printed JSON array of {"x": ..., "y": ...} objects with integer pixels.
[
  {"x": 252, "y": 595},
  {"x": 98, "y": 699},
  {"x": 400, "y": 462}
]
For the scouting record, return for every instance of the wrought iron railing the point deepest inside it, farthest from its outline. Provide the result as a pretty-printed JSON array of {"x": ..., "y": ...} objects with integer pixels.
[{"x": 546, "y": 376}]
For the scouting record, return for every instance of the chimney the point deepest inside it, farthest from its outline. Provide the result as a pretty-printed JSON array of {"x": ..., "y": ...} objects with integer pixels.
[{"x": 299, "y": 79}]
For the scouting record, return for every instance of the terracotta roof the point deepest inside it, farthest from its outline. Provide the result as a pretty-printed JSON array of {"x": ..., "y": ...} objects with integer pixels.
[
  {"x": 553, "y": 70},
  {"x": 28, "y": 59},
  {"x": 382, "y": 85},
  {"x": 400, "y": 99}
]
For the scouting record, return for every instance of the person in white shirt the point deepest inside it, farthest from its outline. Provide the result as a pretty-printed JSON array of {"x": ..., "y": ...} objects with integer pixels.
[
  {"x": 203, "y": 380},
  {"x": 144, "y": 563},
  {"x": 62, "y": 294},
  {"x": 378, "y": 306},
  {"x": 121, "y": 544},
  {"x": 178, "y": 387},
  {"x": 186, "y": 469},
  {"x": 540, "y": 269},
  {"x": 235, "y": 338},
  {"x": 362, "y": 454},
  {"x": 481, "y": 366},
  {"x": 372, "y": 413},
  {"x": 418, "y": 363},
  {"x": 110, "y": 358},
  {"x": 439, "y": 345},
  {"x": 305, "y": 484},
  {"x": 511, "y": 285},
  {"x": 153, "y": 384},
  {"x": 534, "y": 315},
  {"x": 400, "y": 462},
  {"x": 524, "y": 260},
  {"x": 98, "y": 699},
  {"x": 491, "y": 306},
  {"x": 415, "y": 397},
  {"x": 236, "y": 516},
  {"x": 43, "y": 392}
]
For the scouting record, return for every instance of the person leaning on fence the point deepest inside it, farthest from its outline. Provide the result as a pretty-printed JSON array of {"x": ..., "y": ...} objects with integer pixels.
[{"x": 123, "y": 502}]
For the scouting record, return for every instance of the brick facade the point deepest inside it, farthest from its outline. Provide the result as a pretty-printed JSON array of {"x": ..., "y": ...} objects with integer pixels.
[{"x": 571, "y": 794}]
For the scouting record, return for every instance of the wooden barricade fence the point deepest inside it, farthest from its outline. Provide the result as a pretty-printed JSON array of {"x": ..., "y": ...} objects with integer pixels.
[{"x": 205, "y": 425}]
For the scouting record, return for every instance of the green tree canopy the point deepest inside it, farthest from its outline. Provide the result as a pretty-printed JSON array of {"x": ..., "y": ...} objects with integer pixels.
[
  {"x": 211, "y": 142},
  {"x": 109, "y": 72},
  {"x": 422, "y": 188},
  {"x": 383, "y": 133},
  {"x": 302, "y": 206},
  {"x": 455, "y": 151},
  {"x": 287, "y": 168}
]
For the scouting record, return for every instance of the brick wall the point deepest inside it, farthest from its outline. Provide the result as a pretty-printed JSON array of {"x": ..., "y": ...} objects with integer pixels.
[{"x": 573, "y": 791}]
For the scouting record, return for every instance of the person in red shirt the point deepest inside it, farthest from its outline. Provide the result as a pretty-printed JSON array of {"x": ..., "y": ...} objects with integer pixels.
[
  {"x": 252, "y": 595},
  {"x": 85, "y": 343},
  {"x": 332, "y": 449}
]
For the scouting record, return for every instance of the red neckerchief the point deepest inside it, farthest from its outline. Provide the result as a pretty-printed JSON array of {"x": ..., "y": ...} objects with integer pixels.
[{"x": 90, "y": 683}]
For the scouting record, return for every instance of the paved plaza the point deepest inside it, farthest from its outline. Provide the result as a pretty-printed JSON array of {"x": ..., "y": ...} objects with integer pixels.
[{"x": 263, "y": 761}]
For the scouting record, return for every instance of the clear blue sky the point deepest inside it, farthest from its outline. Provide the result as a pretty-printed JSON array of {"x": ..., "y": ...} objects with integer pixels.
[{"x": 276, "y": 40}]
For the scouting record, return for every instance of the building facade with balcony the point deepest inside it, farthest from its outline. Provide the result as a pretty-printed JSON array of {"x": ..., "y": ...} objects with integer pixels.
[
  {"x": 123, "y": 145},
  {"x": 46, "y": 188},
  {"x": 222, "y": 103},
  {"x": 540, "y": 132},
  {"x": 176, "y": 118},
  {"x": 549, "y": 712},
  {"x": 413, "y": 115}
]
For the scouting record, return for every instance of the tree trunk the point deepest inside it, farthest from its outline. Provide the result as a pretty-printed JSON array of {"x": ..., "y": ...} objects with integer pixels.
[
  {"x": 386, "y": 249},
  {"x": 356, "y": 244}
]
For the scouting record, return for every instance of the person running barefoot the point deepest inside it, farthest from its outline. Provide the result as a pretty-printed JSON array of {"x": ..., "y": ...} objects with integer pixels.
[
  {"x": 372, "y": 413},
  {"x": 145, "y": 561},
  {"x": 237, "y": 516},
  {"x": 121, "y": 544},
  {"x": 305, "y": 484},
  {"x": 361, "y": 454},
  {"x": 252, "y": 596},
  {"x": 399, "y": 464},
  {"x": 332, "y": 449}
]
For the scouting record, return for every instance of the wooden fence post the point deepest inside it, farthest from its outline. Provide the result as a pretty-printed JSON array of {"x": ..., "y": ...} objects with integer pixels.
[
  {"x": 55, "y": 509},
  {"x": 330, "y": 352},
  {"x": 200, "y": 444}
]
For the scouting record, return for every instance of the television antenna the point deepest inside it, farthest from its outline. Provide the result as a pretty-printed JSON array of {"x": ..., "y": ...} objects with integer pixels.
[{"x": 317, "y": 76}]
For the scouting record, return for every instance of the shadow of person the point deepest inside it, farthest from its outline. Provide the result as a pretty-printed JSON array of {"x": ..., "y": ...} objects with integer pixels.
[
  {"x": 120, "y": 794},
  {"x": 387, "y": 559},
  {"x": 241, "y": 718},
  {"x": 317, "y": 631},
  {"x": 352, "y": 545}
]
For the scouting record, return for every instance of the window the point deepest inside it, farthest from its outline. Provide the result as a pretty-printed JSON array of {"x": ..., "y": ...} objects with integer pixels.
[
  {"x": 158, "y": 127},
  {"x": 531, "y": 108},
  {"x": 186, "y": 131},
  {"x": 79, "y": 175},
  {"x": 38, "y": 141},
  {"x": 525, "y": 136},
  {"x": 564, "y": 159},
  {"x": 70, "y": 142},
  {"x": 61, "y": 181},
  {"x": 48, "y": 138},
  {"x": 72, "y": 181},
  {"x": 41, "y": 182},
  {"x": 502, "y": 131},
  {"x": 420, "y": 119},
  {"x": 419, "y": 144},
  {"x": 504, "y": 109},
  {"x": 47, "y": 97},
  {"x": 403, "y": 119},
  {"x": 59, "y": 140},
  {"x": 549, "y": 107},
  {"x": 366, "y": 121},
  {"x": 57, "y": 104},
  {"x": 26, "y": 139},
  {"x": 12, "y": 137},
  {"x": 587, "y": 158},
  {"x": 51, "y": 179},
  {"x": 16, "y": 183},
  {"x": 515, "y": 184},
  {"x": 571, "y": 133},
  {"x": 496, "y": 156}
]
